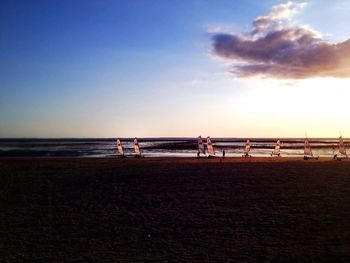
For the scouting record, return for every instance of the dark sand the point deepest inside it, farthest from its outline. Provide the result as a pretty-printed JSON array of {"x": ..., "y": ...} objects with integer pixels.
[{"x": 174, "y": 210}]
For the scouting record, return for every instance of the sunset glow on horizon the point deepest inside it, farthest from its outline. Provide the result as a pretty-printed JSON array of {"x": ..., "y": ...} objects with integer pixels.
[{"x": 245, "y": 69}]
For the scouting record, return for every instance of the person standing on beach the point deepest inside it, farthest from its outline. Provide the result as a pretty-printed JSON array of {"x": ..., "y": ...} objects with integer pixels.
[{"x": 223, "y": 154}]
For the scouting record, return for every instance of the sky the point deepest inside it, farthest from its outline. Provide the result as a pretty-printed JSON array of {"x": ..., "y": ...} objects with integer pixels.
[{"x": 228, "y": 68}]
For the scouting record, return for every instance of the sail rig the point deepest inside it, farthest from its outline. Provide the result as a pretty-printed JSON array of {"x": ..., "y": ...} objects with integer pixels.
[
  {"x": 201, "y": 149},
  {"x": 137, "y": 149},
  {"x": 277, "y": 150},
  {"x": 342, "y": 149},
  {"x": 247, "y": 149},
  {"x": 307, "y": 148},
  {"x": 120, "y": 148},
  {"x": 210, "y": 147},
  {"x": 308, "y": 154}
]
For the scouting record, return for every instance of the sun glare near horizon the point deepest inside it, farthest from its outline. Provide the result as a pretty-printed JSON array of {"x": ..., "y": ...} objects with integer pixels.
[{"x": 292, "y": 108}]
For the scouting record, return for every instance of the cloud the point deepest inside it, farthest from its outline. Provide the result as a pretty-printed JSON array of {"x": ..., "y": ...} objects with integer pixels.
[{"x": 277, "y": 48}]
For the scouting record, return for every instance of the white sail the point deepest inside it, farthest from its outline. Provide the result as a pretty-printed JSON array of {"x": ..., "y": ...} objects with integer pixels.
[
  {"x": 201, "y": 148},
  {"x": 342, "y": 149},
  {"x": 247, "y": 147},
  {"x": 277, "y": 149},
  {"x": 137, "y": 150},
  {"x": 307, "y": 147},
  {"x": 120, "y": 147},
  {"x": 210, "y": 146}
]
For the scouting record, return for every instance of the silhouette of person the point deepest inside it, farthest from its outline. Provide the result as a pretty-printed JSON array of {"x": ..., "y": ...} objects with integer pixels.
[{"x": 223, "y": 154}]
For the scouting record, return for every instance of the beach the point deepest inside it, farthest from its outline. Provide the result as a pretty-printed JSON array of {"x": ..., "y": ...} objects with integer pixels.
[{"x": 174, "y": 210}]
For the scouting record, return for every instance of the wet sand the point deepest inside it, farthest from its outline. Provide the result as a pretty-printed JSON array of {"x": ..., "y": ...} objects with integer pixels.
[{"x": 174, "y": 210}]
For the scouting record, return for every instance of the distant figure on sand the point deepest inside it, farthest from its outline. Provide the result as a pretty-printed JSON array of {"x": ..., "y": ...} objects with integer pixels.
[{"x": 223, "y": 154}]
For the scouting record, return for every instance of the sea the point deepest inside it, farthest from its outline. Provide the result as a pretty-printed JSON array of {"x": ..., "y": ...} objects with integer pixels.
[{"x": 162, "y": 147}]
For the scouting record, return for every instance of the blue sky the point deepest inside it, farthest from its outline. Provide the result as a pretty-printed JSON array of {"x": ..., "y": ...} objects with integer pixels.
[{"x": 143, "y": 68}]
